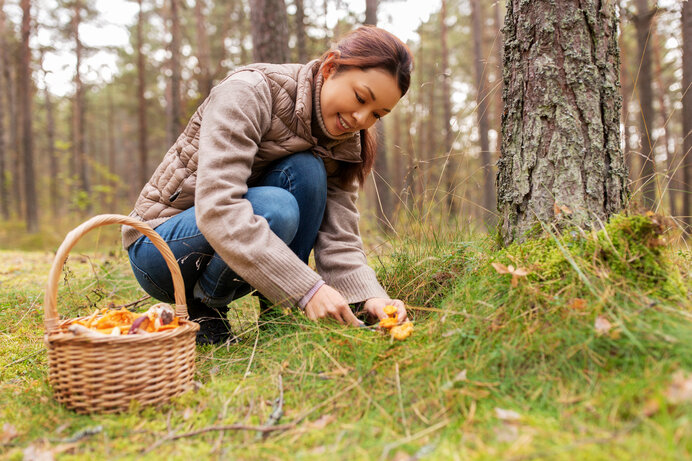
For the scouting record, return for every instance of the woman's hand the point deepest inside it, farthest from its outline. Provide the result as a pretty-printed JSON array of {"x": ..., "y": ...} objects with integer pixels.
[
  {"x": 375, "y": 308},
  {"x": 327, "y": 302}
]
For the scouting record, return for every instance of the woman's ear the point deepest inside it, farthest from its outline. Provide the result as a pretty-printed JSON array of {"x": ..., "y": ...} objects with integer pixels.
[{"x": 329, "y": 65}]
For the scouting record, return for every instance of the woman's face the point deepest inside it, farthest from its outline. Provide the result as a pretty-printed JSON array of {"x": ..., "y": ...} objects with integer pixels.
[{"x": 353, "y": 99}]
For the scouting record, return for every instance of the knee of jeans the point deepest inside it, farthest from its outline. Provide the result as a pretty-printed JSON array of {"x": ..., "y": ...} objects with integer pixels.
[
  {"x": 283, "y": 215},
  {"x": 313, "y": 172}
]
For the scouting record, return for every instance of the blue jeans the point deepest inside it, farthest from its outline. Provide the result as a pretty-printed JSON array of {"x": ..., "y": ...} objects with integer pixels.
[{"x": 291, "y": 196}]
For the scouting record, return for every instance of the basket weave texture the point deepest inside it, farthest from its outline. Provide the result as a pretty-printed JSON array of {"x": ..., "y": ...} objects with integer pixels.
[{"x": 104, "y": 374}]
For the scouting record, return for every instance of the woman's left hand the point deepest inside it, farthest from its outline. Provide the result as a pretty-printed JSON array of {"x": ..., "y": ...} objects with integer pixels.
[{"x": 375, "y": 308}]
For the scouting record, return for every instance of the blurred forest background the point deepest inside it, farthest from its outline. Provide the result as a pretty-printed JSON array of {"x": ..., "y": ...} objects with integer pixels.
[{"x": 69, "y": 153}]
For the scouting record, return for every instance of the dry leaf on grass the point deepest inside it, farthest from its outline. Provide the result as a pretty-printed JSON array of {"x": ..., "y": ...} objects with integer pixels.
[
  {"x": 507, "y": 415},
  {"x": 506, "y": 433},
  {"x": 9, "y": 432},
  {"x": 323, "y": 421},
  {"x": 602, "y": 325},
  {"x": 516, "y": 272},
  {"x": 578, "y": 304},
  {"x": 680, "y": 389},
  {"x": 38, "y": 453}
]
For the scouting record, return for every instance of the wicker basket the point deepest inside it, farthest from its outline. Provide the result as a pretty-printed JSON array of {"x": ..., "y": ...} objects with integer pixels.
[{"x": 105, "y": 374}]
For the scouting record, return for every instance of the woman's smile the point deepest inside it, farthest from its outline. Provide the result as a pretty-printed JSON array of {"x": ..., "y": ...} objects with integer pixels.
[{"x": 342, "y": 124}]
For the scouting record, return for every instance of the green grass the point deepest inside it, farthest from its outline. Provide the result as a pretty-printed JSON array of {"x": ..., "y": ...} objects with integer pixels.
[{"x": 480, "y": 346}]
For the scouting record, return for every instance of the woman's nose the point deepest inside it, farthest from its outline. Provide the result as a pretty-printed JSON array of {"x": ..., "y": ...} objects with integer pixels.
[{"x": 360, "y": 117}]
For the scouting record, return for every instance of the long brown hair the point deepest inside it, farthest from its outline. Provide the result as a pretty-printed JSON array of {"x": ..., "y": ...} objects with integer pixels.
[{"x": 369, "y": 47}]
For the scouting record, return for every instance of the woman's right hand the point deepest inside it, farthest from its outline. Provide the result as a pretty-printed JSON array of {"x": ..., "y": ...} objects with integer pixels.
[{"x": 327, "y": 302}]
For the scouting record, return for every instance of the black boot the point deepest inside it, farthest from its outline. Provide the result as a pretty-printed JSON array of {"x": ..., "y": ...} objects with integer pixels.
[{"x": 214, "y": 327}]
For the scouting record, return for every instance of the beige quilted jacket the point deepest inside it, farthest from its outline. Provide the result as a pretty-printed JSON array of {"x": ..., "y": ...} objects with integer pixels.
[{"x": 256, "y": 115}]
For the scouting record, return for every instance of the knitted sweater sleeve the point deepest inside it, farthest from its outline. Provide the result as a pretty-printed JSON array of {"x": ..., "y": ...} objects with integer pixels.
[
  {"x": 237, "y": 115},
  {"x": 339, "y": 253}
]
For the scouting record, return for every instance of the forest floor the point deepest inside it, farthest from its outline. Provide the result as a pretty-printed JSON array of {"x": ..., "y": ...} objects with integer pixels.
[{"x": 572, "y": 346}]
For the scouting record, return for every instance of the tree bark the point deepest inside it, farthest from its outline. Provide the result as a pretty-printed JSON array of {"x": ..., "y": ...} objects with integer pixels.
[
  {"x": 25, "y": 91},
  {"x": 497, "y": 119},
  {"x": 53, "y": 167},
  {"x": 687, "y": 112},
  {"x": 381, "y": 174},
  {"x": 663, "y": 117},
  {"x": 174, "y": 122},
  {"x": 626, "y": 91},
  {"x": 561, "y": 126},
  {"x": 489, "y": 201},
  {"x": 206, "y": 80},
  {"x": 142, "y": 102},
  {"x": 371, "y": 12},
  {"x": 80, "y": 164},
  {"x": 4, "y": 83},
  {"x": 110, "y": 120},
  {"x": 269, "y": 31},
  {"x": 450, "y": 161},
  {"x": 301, "y": 36},
  {"x": 648, "y": 175}
]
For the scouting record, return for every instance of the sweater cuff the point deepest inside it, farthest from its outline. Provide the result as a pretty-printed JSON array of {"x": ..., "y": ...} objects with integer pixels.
[{"x": 308, "y": 296}]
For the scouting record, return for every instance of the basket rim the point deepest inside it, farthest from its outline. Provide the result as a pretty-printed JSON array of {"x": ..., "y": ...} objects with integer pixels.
[{"x": 60, "y": 335}]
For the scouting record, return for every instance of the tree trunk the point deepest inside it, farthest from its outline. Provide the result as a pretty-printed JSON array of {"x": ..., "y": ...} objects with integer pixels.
[
  {"x": 371, "y": 12},
  {"x": 4, "y": 83},
  {"x": 381, "y": 174},
  {"x": 687, "y": 112},
  {"x": 561, "y": 127},
  {"x": 497, "y": 119},
  {"x": 27, "y": 135},
  {"x": 663, "y": 117},
  {"x": 52, "y": 154},
  {"x": 418, "y": 178},
  {"x": 626, "y": 91},
  {"x": 174, "y": 124},
  {"x": 411, "y": 186},
  {"x": 112, "y": 168},
  {"x": 206, "y": 80},
  {"x": 450, "y": 161},
  {"x": 269, "y": 31},
  {"x": 80, "y": 163},
  {"x": 15, "y": 134},
  {"x": 142, "y": 102},
  {"x": 301, "y": 35},
  {"x": 648, "y": 175},
  {"x": 489, "y": 202}
]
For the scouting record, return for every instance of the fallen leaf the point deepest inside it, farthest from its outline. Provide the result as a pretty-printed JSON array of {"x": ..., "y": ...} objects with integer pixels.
[
  {"x": 323, "y": 421},
  {"x": 36, "y": 453},
  {"x": 500, "y": 268},
  {"x": 402, "y": 456},
  {"x": 578, "y": 304},
  {"x": 506, "y": 433},
  {"x": 602, "y": 325},
  {"x": 461, "y": 376},
  {"x": 680, "y": 389},
  {"x": 507, "y": 415},
  {"x": 651, "y": 407},
  {"x": 560, "y": 209},
  {"x": 8, "y": 433}
]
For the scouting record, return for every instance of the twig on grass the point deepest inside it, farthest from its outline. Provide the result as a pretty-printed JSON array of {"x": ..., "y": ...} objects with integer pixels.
[
  {"x": 24, "y": 358},
  {"x": 133, "y": 303},
  {"x": 226, "y": 427},
  {"x": 277, "y": 411},
  {"x": 401, "y": 400}
]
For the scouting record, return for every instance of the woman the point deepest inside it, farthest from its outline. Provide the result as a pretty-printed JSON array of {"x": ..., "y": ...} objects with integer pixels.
[{"x": 267, "y": 169}]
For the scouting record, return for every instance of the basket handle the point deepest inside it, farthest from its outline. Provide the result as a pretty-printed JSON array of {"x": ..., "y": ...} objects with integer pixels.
[{"x": 50, "y": 302}]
